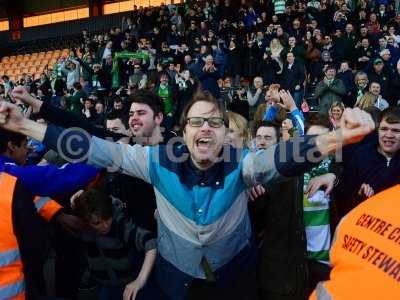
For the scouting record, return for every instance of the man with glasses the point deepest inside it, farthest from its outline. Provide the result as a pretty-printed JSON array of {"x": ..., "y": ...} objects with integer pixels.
[{"x": 204, "y": 234}]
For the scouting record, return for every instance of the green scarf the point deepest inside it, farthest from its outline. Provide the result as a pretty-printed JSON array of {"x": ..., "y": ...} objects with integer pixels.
[{"x": 140, "y": 55}]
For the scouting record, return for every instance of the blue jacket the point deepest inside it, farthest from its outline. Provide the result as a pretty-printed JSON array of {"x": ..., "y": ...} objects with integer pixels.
[
  {"x": 296, "y": 116},
  {"x": 49, "y": 180}
]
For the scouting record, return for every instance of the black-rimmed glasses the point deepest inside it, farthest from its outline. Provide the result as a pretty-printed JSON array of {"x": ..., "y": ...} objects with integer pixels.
[{"x": 214, "y": 122}]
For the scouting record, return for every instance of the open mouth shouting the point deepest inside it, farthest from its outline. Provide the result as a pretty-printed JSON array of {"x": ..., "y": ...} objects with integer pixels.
[{"x": 204, "y": 144}]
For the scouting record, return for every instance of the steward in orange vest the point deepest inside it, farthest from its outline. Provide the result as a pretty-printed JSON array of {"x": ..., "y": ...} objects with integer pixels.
[
  {"x": 365, "y": 254},
  {"x": 23, "y": 243}
]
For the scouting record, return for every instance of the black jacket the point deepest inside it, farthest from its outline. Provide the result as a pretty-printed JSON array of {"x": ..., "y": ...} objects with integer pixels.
[
  {"x": 137, "y": 195},
  {"x": 292, "y": 77},
  {"x": 67, "y": 119},
  {"x": 362, "y": 163},
  {"x": 251, "y": 59},
  {"x": 268, "y": 69},
  {"x": 395, "y": 88},
  {"x": 283, "y": 257},
  {"x": 142, "y": 206},
  {"x": 234, "y": 62},
  {"x": 32, "y": 240},
  {"x": 103, "y": 77}
]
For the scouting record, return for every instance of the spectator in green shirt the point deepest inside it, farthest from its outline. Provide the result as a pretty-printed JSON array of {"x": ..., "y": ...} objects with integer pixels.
[
  {"x": 167, "y": 91},
  {"x": 74, "y": 102}
]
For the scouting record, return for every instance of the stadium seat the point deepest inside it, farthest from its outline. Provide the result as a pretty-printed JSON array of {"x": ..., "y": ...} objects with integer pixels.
[
  {"x": 32, "y": 70},
  {"x": 52, "y": 61}
]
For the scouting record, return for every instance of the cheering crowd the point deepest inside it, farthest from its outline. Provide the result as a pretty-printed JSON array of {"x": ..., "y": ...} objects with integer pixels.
[{"x": 204, "y": 151}]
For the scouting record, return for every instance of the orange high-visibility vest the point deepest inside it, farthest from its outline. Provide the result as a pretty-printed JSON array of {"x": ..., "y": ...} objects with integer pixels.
[
  {"x": 365, "y": 254},
  {"x": 12, "y": 285}
]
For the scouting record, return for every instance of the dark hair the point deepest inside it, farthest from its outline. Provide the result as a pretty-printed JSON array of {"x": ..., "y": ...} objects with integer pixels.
[
  {"x": 77, "y": 86},
  {"x": 113, "y": 115},
  {"x": 9, "y": 136},
  {"x": 148, "y": 98},
  {"x": 93, "y": 202},
  {"x": 330, "y": 67},
  {"x": 205, "y": 96},
  {"x": 90, "y": 100},
  {"x": 163, "y": 73},
  {"x": 375, "y": 114},
  {"x": 391, "y": 115},
  {"x": 117, "y": 99},
  {"x": 275, "y": 125},
  {"x": 318, "y": 119}
]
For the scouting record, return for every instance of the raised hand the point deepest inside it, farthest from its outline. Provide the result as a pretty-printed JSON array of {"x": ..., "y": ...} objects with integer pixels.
[
  {"x": 355, "y": 125},
  {"x": 287, "y": 100},
  {"x": 11, "y": 117},
  {"x": 20, "y": 93}
]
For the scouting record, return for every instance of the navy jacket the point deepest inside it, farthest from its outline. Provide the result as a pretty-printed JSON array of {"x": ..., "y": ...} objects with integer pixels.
[
  {"x": 49, "y": 180},
  {"x": 364, "y": 164},
  {"x": 209, "y": 82}
]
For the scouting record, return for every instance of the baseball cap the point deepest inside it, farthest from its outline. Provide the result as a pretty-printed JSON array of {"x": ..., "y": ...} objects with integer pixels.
[{"x": 378, "y": 61}]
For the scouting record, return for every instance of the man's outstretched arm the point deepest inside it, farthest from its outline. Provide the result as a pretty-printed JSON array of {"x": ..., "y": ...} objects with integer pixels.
[
  {"x": 77, "y": 145},
  {"x": 294, "y": 157},
  {"x": 61, "y": 117}
]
